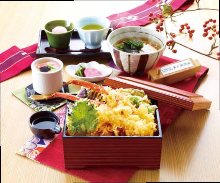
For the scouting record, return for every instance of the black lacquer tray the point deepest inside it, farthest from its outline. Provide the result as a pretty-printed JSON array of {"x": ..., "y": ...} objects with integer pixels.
[{"x": 75, "y": 44}]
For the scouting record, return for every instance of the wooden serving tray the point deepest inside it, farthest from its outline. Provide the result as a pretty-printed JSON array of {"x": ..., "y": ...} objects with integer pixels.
[
  {"x": 160, "y": 92},
  {"x": 75, "y": 44}
]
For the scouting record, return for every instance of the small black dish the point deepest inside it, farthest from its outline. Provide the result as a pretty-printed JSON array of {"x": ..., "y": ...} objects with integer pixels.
[{"x": 44, "y": 124}]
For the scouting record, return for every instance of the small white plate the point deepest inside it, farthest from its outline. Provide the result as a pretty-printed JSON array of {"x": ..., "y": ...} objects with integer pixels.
[{"x": 106, "y": 71}]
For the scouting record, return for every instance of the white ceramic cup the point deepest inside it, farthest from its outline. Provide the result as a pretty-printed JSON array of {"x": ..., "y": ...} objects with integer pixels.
[
  {"x": 47, "y": 82},
  {"x": 92, "y": 38}
]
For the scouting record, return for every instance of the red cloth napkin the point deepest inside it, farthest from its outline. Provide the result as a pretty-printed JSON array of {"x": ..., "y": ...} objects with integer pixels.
[
  {"x": 168, "y": 113},
  {"x": 139, "y": 15},
  {"x": 15, "y": 60},
  {"x": 53, "y": 155}
]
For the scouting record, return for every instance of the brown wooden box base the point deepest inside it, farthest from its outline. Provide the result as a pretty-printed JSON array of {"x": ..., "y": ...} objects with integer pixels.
[{"x": 89, "y": 151}]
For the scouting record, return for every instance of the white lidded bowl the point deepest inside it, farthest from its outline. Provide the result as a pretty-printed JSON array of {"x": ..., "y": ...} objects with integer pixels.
[
  {"x": 135, "y": 63},
  {"x": 47, "y": 82},
  {"x": 105, "y": 70}
]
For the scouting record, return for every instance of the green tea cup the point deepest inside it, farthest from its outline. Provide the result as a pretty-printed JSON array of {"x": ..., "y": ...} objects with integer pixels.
[{"x": 59, "y": 40}]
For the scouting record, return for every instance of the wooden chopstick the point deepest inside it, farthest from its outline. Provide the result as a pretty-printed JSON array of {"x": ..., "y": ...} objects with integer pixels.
[
  {"x": 180, "y": 98},
  {"x": 161, "y": 86}
]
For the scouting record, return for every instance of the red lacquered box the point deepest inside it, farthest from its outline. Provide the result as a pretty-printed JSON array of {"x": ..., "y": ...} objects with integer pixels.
[{"x": 129, "y": 151}]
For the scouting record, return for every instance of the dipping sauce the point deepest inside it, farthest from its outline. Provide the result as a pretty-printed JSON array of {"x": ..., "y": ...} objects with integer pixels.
[
  {"x": 92, "y": 27},
  {"x": 59, "y": 30},
  {"x": 48, "y": 66},
  {"x": 44, "y": 123},
  {"x": 137, "y": 45}
]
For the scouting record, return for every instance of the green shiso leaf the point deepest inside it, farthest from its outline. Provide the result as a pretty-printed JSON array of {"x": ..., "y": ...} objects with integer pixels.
[{"x": 83, "y": 119}]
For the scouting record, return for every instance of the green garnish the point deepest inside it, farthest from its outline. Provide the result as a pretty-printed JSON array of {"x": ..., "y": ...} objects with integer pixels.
[
  {"x": 80, "y": 71},
  {"x": 152, "y": 108},
  {"x": 135, "y": 92},
  {"x": 51, "y": 67},
  {"x": 135, "y": 100},
  {"x": 83, "y": 119},
  {"x": 130, "y": 45}
]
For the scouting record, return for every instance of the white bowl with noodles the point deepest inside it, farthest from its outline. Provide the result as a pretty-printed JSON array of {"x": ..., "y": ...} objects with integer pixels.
[
  {"x": 135, "y": 63},
  {"x": 103, "y": 69}
]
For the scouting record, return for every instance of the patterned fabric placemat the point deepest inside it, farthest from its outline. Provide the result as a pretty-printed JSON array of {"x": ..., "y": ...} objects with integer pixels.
[
  {"x": 49, "y": 105},
  {"x": 35, "y": 145},
  {"x": 36, "y": 105}
]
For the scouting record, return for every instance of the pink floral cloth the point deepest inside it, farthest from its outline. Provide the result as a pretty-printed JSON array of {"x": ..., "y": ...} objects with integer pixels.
[
  {"x": 140, "y": 15},
  {"x": 36, "y": 145}
]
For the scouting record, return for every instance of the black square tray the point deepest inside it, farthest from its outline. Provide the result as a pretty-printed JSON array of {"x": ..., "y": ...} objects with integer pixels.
[{"x": 75, "y": 43}]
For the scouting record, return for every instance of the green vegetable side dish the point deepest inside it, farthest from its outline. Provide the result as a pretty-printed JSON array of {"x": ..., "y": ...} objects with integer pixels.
[
  {"x": 83, "y": 118},
  {"x": 80, "y": 71},
  {"x": 130, "y": 45}
]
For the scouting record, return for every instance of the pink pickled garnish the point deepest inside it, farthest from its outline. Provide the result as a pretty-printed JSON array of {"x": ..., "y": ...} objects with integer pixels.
[{"x": 92, "y": 72}]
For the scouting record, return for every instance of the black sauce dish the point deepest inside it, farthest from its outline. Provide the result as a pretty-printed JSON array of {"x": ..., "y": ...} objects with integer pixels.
[{"x": 44, "y": 124}]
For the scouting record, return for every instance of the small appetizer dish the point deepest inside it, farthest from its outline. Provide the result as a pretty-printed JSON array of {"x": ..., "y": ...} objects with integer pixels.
[{"x": 92, "y": 71}]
